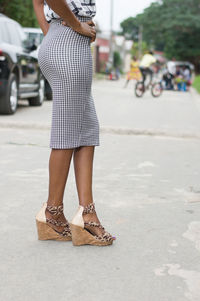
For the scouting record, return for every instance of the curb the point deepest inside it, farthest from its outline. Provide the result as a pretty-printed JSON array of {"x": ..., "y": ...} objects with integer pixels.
[{"x": 106, "y": 130}]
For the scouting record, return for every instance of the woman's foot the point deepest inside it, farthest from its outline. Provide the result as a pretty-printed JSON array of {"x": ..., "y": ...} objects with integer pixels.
[
  {"x": 55, "y": 219},
  {"x": 87, "y": 230},
  {"x": 92, "y": 223},
  {"x": 92, "y": 218}
]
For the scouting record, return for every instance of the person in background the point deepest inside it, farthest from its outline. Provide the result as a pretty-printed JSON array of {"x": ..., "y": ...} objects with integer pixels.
[
  {"x": 145, "y": 65},
  {"x": 134, "y": 72},
  {"x": 171, "y": 67},
  {"x": 187, "y": 77},
  {"x": 117, "y": 73},
  {"x": 180, "y": 80}
]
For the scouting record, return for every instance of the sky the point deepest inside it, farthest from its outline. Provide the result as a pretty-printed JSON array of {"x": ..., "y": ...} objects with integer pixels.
[{"x": 122, "y": 10}]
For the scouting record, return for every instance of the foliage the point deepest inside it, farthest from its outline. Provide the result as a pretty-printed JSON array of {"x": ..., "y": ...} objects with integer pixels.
[
  {"x": 196, "y": 83},
  {"x": 172, "y": 26},
  {"x": 117, "y": 59},
  {"x": 130, "y": 28},
  {"x": 135, "y": 49},
  {"x": 19, "y": 10}
]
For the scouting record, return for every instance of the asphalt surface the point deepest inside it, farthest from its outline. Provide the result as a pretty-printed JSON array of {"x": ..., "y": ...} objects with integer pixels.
[{"x": 147, "y": 193}]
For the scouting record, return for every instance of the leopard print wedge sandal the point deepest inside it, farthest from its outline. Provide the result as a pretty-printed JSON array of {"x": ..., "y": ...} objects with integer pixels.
[
  {"x": 82, "y": 236},
  {"x": 44, "y": 229}
]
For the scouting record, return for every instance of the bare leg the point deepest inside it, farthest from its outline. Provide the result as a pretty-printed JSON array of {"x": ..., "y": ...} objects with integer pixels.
[
  {"x": 83, "y": 167},
  {"x": 59, "y": 164},
  {"x": 126, "y": 84}
]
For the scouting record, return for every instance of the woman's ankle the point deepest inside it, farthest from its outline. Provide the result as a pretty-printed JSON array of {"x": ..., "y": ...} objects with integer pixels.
[
  {"x": 54, "y": 203},
  {"x": 86, "y": 202}
]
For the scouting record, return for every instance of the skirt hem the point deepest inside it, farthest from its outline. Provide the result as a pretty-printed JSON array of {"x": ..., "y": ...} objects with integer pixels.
[{"x": 73, "y": 146}]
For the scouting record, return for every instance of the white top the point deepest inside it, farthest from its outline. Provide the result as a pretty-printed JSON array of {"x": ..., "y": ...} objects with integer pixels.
[
  {"x": 86, "y": 8},
  {"x": 171, "y": 66},
  {"x": 186, "y": 74}
]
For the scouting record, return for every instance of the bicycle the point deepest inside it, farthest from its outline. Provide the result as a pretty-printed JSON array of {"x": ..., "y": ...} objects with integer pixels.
[{"x": 156, "y": 88}]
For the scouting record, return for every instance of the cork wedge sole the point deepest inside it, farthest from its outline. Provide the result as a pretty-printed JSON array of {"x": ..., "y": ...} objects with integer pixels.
[
  {"x": 45, "y": 232},
  {"x": 80, "y": 237}
]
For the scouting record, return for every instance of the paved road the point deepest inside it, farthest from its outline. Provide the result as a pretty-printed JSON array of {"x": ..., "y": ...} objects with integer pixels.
[{"x": 147, "y": 191}]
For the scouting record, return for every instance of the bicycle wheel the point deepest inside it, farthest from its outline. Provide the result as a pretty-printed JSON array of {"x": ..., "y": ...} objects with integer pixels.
[
  {"x": 156, "y": 89},
  {"x": 139, "y": 89}
]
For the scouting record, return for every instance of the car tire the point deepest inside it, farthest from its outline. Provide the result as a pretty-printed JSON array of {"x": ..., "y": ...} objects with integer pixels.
[
  {"x": 48, "y": 91},
  {"x": 39, "y": 99},
  {"x": 8, "y": 102}
]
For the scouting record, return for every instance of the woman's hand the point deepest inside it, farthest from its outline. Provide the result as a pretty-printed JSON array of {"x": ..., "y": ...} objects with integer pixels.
[{"x": 85, "y": 29}]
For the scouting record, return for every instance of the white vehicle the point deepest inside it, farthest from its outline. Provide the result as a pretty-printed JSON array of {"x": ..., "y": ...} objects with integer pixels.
[{"x": 34, "y": 35}]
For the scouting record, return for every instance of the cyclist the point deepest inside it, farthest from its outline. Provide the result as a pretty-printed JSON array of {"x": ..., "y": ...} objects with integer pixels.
[{"x": 146, "y": 62}]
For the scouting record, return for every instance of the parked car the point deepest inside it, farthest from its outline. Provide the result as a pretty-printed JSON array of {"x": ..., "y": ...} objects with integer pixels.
[
  {"x": 35, "y": 37},
  {"x": 20, "y": 75}
]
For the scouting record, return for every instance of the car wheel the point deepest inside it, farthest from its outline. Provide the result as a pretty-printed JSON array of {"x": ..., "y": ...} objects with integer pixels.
[
  {"x": 39, "y": 99},
  {"x": 8, "y": 102},
  {"x": 48, "y": 91}
]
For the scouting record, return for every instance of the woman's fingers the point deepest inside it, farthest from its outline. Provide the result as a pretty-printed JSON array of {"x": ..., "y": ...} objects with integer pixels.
[
  {"x": 93, "y": 34},
  {"x": 93, "y": 39},
  {"x": 85, "y": 29},
  {"x": 88, "y": 30},
  {"x": 93, "y": 31},
  {"x": 90, "y": 23}
]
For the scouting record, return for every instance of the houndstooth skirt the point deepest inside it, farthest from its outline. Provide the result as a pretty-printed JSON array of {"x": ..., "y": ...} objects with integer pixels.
[{"x": 65, "y": 60}]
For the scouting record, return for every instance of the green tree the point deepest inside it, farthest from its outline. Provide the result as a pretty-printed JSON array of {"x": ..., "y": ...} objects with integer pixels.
[
  {"x": 135, "y": 49},
  {"x": 117, "y": 59},
  {"x": 172, "y": 26},
  {"x": 130, "y": 28},
  {"x": 19, "y": 10}
]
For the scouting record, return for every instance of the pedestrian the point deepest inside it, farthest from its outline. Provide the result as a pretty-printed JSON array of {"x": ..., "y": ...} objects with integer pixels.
[
  {"x": 117, "y": 73},
  {"x": 187, "y": 77},
  {"x": 134, "y": 73},
  {"x": 171, "y": 67},
  {"x": 179, "y": 79},
  {"x": 65, "y": 60}
]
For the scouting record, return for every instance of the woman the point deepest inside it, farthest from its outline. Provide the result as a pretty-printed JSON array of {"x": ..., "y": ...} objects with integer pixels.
[
  {"x": 134, "y": 72},
  {"x": 65, "y": 60}
]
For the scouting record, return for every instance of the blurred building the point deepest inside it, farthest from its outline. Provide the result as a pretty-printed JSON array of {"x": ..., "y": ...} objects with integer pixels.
[
  {"x": 101, "y": 49},
  {"x": 123, "y": 47}
]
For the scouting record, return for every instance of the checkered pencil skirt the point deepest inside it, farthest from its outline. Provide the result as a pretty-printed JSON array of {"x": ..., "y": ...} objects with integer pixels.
[{"x": 65, "y": 60}]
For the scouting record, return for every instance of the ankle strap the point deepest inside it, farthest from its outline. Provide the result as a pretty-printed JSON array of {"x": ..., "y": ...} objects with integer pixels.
[
  {"x": 55, "y": 210},
  {"x": 89, "y": 209}
]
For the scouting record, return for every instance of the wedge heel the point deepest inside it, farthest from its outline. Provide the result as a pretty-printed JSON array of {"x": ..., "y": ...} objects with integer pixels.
[{"x": 45, "y": 231}]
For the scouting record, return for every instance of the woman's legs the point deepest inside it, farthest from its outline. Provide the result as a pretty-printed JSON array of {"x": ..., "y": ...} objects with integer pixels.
[
  {"x": 59, "y": 164},
  {"x": 83, "y": 167}
]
